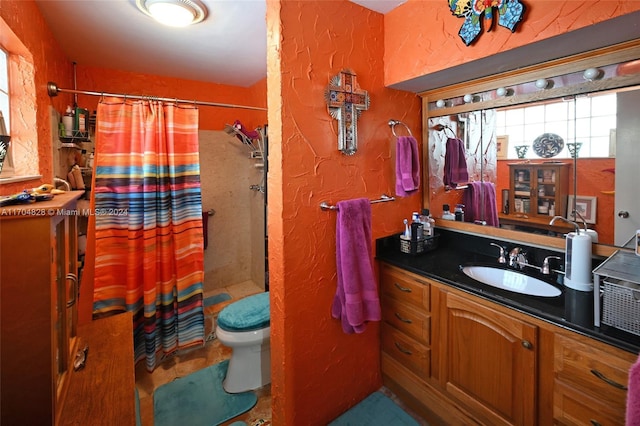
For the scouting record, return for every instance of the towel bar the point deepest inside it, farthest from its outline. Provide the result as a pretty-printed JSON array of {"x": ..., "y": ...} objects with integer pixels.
[{"x": 383, "y": 198}]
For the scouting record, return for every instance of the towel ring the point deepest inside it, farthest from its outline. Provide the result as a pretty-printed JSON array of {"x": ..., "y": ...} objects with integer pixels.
[
  {"x": 393, "y": 123},
  {"x": 441, "y": 127}
]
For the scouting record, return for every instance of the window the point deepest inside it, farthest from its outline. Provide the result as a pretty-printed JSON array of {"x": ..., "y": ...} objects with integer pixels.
[
  {"x": 588, "y": 120},
  {"x": 7, "y": 167}
]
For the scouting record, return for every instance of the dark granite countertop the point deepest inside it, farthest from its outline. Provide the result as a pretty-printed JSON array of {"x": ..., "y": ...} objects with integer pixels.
[{"x": 572, "y": 310}]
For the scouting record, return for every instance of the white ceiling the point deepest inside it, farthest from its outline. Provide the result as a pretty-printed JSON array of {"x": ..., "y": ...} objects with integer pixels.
[{"x": 228, "y": 47}]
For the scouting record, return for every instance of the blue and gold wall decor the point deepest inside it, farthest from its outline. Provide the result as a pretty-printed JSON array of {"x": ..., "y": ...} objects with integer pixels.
[{"x": 510, "y": 13}]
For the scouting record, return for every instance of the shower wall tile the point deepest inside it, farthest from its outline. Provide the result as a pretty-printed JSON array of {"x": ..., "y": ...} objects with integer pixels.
[{"x": 226, "y": 173}]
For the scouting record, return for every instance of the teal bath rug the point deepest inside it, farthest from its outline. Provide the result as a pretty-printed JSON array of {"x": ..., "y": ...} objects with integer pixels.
[
  {"x": 375, "y": 410},
  {"x": 218, "y": 298},
  {"x": 199, "y": 399}
]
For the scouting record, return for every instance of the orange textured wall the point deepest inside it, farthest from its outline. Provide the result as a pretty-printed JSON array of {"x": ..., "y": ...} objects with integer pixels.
[
  {"x": 211, "y": 118},
  {"x": 421, "y": 37},
  {"x": 319, "y": 371},
  {"x": 23, "y": 20}
]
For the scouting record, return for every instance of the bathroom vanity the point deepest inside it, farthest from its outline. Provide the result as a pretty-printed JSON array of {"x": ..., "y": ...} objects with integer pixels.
[{"x": 461, "y": 352}]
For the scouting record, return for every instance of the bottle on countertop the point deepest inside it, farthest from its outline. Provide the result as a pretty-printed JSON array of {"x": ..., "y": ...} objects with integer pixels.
[
  {"x": 428, "y": 224},
  {"x": 67, "y": 121},
  {"x": 459, "y": 213},
  {"x": 446, "y": 213},
  {"x": 416, "y": 227}
]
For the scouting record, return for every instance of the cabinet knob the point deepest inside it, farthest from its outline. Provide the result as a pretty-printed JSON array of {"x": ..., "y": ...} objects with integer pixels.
[{"x": 527, "y": 344}]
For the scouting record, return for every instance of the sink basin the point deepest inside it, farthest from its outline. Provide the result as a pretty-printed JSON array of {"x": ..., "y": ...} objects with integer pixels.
[{"x": 515, "y": 281}]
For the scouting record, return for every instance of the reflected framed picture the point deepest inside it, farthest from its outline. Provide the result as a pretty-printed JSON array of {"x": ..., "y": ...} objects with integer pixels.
[
  {"x": 586, "y": 207},
  {"x": 502, "y": 144}
]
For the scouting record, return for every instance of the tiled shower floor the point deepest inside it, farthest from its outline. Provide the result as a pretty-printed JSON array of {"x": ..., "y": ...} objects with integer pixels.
[{"x": 196, "y": 359}]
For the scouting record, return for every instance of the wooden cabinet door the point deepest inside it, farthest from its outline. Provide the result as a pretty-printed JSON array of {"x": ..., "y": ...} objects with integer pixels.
[{"x": 489, "y": 362}]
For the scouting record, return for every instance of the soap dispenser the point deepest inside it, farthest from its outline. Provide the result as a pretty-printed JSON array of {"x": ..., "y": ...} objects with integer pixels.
[{"x": 577, "y": 258}]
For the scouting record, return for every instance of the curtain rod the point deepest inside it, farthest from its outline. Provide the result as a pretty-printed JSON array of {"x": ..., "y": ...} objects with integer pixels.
[{"x": 53, "y": 90}]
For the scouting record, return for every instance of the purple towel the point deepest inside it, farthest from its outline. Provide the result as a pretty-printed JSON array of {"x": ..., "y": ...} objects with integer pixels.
[
  {"x": 407, "y": 166},
  {"x": 633, "y": 395},
  {"x": 480, "y": 203},
  {"x": 455, "y": 163},
  {"x": 356, "y": 300}
]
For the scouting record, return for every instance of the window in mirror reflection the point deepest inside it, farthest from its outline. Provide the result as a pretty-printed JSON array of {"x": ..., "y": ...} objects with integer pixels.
[{"x": 592, "y": 132}]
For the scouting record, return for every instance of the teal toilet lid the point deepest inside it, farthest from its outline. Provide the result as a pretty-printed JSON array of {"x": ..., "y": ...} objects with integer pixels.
[{"x": 250, "y": 313}]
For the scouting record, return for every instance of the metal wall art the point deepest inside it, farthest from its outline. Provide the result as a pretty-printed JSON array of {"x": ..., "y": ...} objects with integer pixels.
[
  {"x": 509, "y": 15},
  {"x": 346, "y": 101}
]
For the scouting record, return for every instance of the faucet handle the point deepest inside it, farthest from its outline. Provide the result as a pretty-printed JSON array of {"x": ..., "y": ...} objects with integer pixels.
[
  {"x": 545, "y": 264},
  {"x": 517, "y": 258},
  {"x": 502, "y": 258}
]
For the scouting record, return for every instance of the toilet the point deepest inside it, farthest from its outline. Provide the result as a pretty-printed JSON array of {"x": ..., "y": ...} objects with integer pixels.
[{"x": 244, "y": 327}]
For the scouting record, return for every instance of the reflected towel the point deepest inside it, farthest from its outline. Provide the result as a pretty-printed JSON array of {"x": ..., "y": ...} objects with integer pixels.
[
  {"x": 633, "y": 395},
  {"x": 407, "y": 165},
  {"x": 455, "y": 163},
  {"x": 480, "y": 203},
  {"x": 356, "y": 300}
]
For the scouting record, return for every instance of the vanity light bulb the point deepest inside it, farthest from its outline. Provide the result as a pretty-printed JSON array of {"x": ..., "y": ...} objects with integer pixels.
[
  {"x": 591, "y": 74},
  {"x": 542, "y": 83},
  {"x": 440, "y": 103},
  {"x": 501, "y": 91},
  {"x": 468, "y": 98}
]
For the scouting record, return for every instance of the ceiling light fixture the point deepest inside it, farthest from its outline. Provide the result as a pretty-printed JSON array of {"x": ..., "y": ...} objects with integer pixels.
[{"x": 174, "y": 13}]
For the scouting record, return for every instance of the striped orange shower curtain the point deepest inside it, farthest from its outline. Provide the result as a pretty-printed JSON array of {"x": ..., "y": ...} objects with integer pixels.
[{"x": 148, "y": 223}]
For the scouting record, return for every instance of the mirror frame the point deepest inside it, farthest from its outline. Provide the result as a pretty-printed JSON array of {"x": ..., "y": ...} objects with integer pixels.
[{"x": 618, "y": 53}]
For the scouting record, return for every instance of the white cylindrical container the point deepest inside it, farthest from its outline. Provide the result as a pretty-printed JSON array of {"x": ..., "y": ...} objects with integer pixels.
[
  {"x": 67, "y": 121},
  {"x": 578, "y": 262}
]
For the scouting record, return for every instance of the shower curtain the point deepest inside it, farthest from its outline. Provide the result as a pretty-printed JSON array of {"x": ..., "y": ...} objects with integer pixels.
[{"x": 148, "y": 223}]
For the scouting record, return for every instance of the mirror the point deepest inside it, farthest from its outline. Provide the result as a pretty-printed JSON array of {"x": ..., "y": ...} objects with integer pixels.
[{"x": 585, "y": 164}]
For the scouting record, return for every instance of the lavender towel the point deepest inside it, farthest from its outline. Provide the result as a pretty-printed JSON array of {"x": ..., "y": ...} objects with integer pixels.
[
  {"x": 455, "y": 163},
  {"x": 633, "y": 395},
  {"x": 407, "y": 165},
  {"x": 356, "y": 300},
  {"x": 480, "y": 203}
]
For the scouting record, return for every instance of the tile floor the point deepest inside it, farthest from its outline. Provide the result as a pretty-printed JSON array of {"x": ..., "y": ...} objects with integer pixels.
[{"x": 191, "y": 360}]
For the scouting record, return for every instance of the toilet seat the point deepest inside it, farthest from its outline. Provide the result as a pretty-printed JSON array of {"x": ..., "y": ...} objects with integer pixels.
[
  {"x": 244, "y": 326},
  {"x": 249, "y": 313}
]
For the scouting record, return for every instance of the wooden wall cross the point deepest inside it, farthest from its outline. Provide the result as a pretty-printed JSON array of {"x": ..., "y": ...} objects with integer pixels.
[{"x": 346, "y": 101}]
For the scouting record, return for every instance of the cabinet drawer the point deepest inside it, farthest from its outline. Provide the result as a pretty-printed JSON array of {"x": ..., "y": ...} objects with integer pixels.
[
  {"x": 406, "y": 319},
  {"x": 405, "y": 288},
  {"x": 407, "y": 351},
  {"x": 572, "y": 407},
  {"x": 601, "y": 373}
]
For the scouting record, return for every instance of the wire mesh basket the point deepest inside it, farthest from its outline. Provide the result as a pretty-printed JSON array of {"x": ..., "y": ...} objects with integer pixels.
[
  {"x": 621, "y": 305},
  {"x": 420, "y": 246}
]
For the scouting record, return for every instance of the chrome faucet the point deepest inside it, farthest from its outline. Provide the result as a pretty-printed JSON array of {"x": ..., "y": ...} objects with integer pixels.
[
  {"x": 517, "y": 258},
  {"x": 502, "y": 258},
  {"x": 575, "y": 225}
]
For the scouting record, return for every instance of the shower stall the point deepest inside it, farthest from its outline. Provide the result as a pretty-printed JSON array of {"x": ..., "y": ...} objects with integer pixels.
[{"x": 233, "y": 171}]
